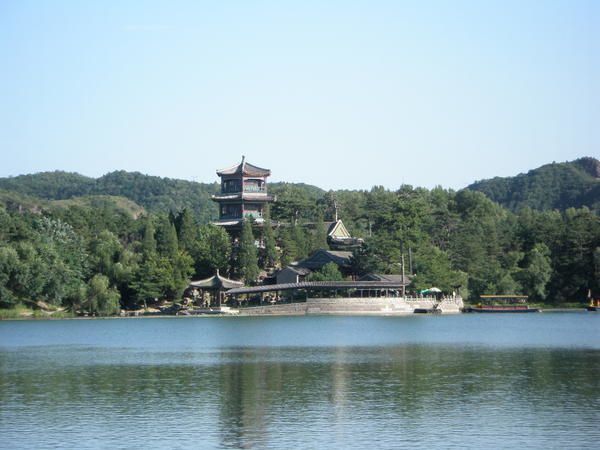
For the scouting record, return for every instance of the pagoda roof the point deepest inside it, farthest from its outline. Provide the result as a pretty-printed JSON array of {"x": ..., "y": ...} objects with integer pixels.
[
  {"x": 245, "y": 169},
  {"x": 216, "y": 282}
]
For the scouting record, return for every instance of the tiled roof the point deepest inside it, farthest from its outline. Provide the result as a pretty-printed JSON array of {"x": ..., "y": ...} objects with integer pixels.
[
  {"x": 317, "y": 285},
  {"x": 322, "y": 257},
  {"x": 395, "y": 278},
  {"x": 216, "y": 282},
  {"x": 245, "y": 169}
]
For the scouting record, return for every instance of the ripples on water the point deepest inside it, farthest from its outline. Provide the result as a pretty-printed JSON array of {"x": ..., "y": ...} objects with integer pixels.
[{"x": 311, "y": 382}]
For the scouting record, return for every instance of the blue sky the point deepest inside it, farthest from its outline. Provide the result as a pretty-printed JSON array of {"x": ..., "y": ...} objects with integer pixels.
[{"x": 340, "y": 94}]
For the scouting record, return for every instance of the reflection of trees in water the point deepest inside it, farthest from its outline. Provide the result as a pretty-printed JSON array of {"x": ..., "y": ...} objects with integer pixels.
[{"x": 247, "y": 397}]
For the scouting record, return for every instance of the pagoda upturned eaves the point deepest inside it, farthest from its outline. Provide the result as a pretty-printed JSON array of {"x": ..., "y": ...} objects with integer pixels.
[{"x": 245, "y": 169}]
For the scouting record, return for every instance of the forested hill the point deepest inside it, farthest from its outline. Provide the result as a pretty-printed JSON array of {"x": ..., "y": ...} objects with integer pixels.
[
  {"x": 155, "y": 194},
  {"x": 552, "y": 186}
]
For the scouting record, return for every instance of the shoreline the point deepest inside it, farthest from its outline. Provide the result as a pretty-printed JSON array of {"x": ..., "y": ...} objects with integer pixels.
[{"x": 153, "y": 315}]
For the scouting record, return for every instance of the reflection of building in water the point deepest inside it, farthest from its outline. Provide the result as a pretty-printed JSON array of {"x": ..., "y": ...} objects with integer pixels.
[
  {"x": 243, "y": 420},
  {"x": 340, "y": 381}
]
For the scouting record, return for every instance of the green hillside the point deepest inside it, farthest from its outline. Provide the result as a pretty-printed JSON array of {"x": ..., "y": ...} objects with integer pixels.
[
  {"x": 552, "y": 186},
  {"x": 155, "y": 194}
]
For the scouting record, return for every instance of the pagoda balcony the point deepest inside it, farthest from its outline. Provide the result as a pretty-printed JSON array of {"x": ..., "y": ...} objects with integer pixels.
[
  {"x": 254, "y": 188},
  {"x": 230, "y": 217},
  {"x": 247, "y": 188},
  {"x": 260, "y": 196}
]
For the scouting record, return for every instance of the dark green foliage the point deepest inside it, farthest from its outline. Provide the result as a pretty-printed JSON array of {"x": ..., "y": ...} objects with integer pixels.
[
  {"x": 87, "y": 249},
  {"x": 289, "y": 250},
  {"x": 187, "y": 231},
  {"x": 553, "y": 186},
  {"x": 100, "y": 298},
  {"x": 329, "y": 272},
  {"x": 318, "y": 238},
  {"x": 149, "y": 240},
  {"x": 212, "y": 252},
  {"x": 247, "y": 258},
  {"x": 166, "y": 238},
  {"x": 270, "y": 257},
  {"x": 295, "y": 203},
  {"x": 50, "y": 185}
]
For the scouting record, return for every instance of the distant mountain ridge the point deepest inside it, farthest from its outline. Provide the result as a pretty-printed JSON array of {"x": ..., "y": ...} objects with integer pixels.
[
  {"x": 153, "y": 193},
  {"x": 551, "y": 186}
]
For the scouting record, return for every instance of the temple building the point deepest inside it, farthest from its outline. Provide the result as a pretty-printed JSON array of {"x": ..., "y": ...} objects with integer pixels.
[{"x": 243, "y": 194}]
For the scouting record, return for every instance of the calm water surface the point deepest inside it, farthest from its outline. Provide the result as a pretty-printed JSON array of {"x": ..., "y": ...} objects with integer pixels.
[{"x": 473, "y": 381}]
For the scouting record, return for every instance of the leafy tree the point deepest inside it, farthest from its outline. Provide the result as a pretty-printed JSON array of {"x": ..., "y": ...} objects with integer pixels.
[
  {"x": 212, "y": 252},
  {"x": 433, "y": 268},
  {"x": 537, "y": 272},
  {"x": 9, "y": 261},
  {"x": 101, "y": 299},
  {"x": 329, "y": 272}
]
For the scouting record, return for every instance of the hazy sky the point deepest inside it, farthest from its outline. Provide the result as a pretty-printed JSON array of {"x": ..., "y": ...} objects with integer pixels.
[{"x": 340, "y": 94}]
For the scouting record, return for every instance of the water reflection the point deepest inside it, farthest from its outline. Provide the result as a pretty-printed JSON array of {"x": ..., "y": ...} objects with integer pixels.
[{"x": 299, "y": 397}]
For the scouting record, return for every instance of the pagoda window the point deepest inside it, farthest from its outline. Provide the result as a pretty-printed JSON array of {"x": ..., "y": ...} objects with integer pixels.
[
  {"x": 231, "y": 211},
  {"x": 231, "y": 186},
  {"x": 253, "y": 210}
]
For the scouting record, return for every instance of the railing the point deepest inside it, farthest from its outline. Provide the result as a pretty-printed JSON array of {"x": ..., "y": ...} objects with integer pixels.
[
  {"x": 253, "y": 188},
  {"x": 230, "y": 216}
]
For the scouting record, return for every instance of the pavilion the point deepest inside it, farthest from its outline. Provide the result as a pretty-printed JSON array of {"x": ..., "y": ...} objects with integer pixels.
[{"x": 215, "y": 287}]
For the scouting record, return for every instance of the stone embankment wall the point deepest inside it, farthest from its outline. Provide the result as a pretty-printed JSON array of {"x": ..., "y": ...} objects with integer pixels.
[{"x": 355, "y": 306}]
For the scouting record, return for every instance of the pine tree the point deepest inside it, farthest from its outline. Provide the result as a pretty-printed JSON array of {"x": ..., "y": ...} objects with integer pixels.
[
  {"x": 166, "y": 238},
  {"x": 213, "y": 251},
  {"x": 270, "y": 253},
  {"x": 148, "y": 241},
  {"x": 247, "y": 256},
  {"x": 300, "y": 239},
  {"x": 318, "y": 239},
  {"x": 187, "y": 232},
  {"x": 289, "y": 250}
]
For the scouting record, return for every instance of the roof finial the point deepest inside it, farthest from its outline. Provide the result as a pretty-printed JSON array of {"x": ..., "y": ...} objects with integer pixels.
[
  {"x": 217, "y": 273},
  {"x": 243, "y": 159}
]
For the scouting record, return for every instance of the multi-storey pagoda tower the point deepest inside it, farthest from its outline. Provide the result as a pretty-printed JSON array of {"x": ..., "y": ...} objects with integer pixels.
[{"x": 243, "y": 194}]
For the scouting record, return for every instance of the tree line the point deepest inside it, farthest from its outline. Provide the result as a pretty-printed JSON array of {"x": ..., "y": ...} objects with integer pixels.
[{"x": 99, "y": 259}]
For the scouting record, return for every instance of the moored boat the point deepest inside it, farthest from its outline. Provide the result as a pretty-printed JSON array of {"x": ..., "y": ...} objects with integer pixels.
[{"x": 502, "y": 304}]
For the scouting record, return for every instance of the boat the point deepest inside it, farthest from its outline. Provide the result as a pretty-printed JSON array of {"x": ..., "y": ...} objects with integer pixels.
[
  {"x": 502, "y": 304},
  {"x": 594, "y": 302}
]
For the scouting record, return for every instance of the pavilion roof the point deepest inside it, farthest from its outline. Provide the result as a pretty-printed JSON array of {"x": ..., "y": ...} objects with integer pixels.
[
  {"x": 216, "y": 282},
  {"x": 245, "y": 169},
  {"x": 396, "y": 278},
  {"x": 321, "y": 257}
]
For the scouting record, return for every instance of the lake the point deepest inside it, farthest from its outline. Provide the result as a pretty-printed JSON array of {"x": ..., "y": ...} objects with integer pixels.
[{"x": 509, "y": 381}]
